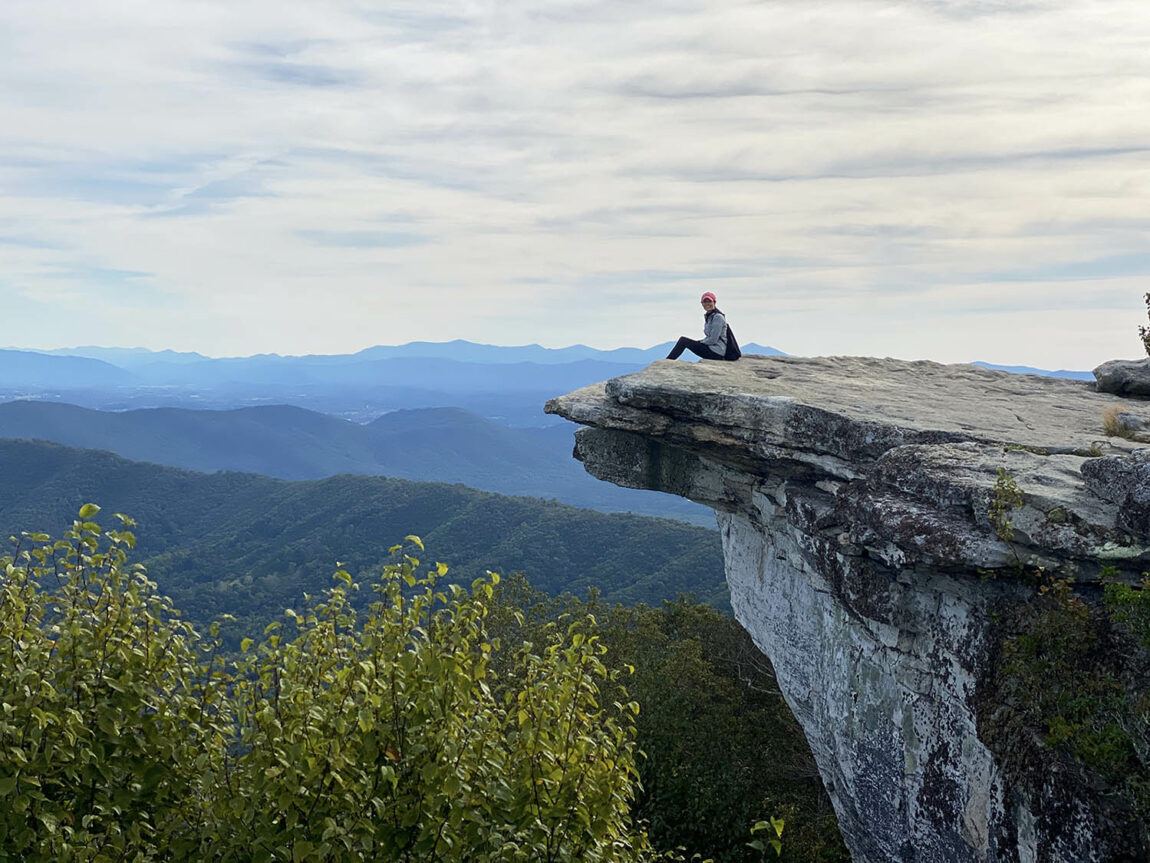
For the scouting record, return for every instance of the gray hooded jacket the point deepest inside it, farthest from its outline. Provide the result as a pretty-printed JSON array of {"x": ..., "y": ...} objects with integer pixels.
[{"x": 715, "y": 332}]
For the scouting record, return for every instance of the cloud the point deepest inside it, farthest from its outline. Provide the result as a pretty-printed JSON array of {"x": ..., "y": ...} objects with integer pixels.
[
  {"x": 854, "y": 176},
  {"x": 1094, "y": 269},
  {"x": 363, "y": 239}
]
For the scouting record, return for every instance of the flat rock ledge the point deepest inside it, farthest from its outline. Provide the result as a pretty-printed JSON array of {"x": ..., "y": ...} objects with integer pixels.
[{"x": 860, "y": 503}]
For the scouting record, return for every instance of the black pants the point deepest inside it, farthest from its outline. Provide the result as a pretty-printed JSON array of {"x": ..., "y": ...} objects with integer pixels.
[{"x": 696, "y": 347}]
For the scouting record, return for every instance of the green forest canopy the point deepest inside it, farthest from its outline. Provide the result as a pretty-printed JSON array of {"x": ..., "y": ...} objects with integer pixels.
[{"x": 250, "y": 545}]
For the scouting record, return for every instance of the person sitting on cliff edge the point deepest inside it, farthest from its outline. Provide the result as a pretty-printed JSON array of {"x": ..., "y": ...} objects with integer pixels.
[{"x": 718, "y": 342}]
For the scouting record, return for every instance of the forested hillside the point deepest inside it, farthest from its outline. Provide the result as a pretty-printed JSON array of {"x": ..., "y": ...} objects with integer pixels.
[
  {"x": 430, "y": 444},
  {"x": 249, "y": 545}
]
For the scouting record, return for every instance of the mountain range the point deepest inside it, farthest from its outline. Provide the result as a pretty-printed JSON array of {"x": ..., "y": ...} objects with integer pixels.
[
  {"x": 459, "y": 350},
  {"x": 434, "y": 444},
  {"x": 458, "y": 366},
  {"x": 250, "y": 545},
  {"x": 33, "y": 370},
  {"x": 1030, "y": 370},
  {"x": 508, "y": 384}
]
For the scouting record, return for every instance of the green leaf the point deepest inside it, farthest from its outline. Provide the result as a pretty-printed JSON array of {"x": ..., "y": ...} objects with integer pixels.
[{"x": 88, "y": 511}]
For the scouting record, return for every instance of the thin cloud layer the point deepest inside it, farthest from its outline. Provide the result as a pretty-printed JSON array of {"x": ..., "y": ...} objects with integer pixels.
[{"x": 953, "y": 180}]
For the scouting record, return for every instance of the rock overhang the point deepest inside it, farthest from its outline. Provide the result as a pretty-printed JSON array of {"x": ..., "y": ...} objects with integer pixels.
[
  {"x": 909, "y": 453},
  {"x": 875, "y": 403}
]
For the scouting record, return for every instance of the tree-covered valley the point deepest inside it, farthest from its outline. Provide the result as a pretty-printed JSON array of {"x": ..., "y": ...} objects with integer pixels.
[
  {"x": 443, "y": 444},
  {"x": 249, "y": 545},
  {"x": 218, "y": 764}
]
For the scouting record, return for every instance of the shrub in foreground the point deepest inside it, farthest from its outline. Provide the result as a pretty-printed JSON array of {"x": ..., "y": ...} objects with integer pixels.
[
  {"x": 719, "y": 749},
  {"x": 337, "y": 735}
]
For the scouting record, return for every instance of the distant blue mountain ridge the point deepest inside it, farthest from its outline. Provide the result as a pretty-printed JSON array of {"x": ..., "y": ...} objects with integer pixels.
[
  {"x": 508, "y": 384},
  {"x": 459, "y": 350},
  {"x": 127, "y": 358},
  {"x": 1028, "y": 370},
  {"x": 31, "y": 369}
]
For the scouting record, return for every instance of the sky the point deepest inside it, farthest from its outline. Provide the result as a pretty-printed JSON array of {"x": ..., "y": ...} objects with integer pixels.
[{"x": 942, "y": 179}]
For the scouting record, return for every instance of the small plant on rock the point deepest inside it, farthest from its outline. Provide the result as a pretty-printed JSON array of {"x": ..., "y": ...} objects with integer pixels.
[
  {"x": 1071, "y": 694},
  {"x": 1112, "y": 423},
  {"x": 1144, "y": 332},
  {"x": 1005, "y": 498}
]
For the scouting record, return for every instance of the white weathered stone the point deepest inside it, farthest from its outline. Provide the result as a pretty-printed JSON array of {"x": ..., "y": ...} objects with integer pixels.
[{"x": 854, "y": 500}]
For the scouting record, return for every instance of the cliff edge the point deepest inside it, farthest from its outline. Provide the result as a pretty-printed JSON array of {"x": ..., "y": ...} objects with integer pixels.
[{"x": 875, "y": 516}]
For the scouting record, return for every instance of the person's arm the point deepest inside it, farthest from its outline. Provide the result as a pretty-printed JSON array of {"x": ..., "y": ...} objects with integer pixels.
[{"x": 715, "y": 328}]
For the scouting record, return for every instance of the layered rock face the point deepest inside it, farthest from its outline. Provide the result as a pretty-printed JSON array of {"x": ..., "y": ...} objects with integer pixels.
[{"x": 861, "y": 508}]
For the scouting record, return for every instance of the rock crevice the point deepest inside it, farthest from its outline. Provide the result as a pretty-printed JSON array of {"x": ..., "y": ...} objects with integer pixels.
[{"x": 861, "y": 508}]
